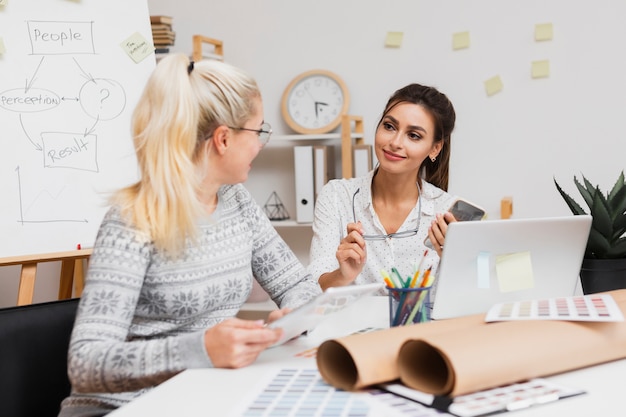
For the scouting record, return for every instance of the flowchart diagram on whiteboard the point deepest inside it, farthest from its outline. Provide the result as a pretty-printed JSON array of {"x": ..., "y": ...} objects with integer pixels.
[{"x": 68, "y": 87}]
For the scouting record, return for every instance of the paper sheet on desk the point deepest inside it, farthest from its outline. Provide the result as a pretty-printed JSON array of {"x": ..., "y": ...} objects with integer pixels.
[
  {"x": 459, "y": 356},
  {"x": 592, "y": 307}
]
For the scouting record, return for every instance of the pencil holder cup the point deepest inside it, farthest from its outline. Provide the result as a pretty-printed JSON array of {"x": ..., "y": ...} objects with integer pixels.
[{"x": 408, "y": 305}]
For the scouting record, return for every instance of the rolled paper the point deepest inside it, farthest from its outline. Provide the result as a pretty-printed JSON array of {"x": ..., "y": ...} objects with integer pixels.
[
  {"x": 465, "y": 354},
  {"x": 360, "y": 360},
  {"x": 493, "y": 354}
]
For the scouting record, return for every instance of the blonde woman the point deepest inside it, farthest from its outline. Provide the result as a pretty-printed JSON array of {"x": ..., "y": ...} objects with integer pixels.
[{"x": 176, "y": 254}]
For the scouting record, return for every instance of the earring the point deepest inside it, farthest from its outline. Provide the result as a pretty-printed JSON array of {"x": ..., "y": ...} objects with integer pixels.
[{"x": 433, "y": 158}]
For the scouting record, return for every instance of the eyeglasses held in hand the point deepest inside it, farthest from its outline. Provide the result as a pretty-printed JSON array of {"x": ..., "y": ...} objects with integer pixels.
[
  {"x": 263, "y": 133},
  {"x": 397, "y": 235}
]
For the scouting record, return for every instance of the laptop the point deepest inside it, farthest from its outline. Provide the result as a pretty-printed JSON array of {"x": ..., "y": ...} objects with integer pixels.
[{"x": 494, "y": 261}]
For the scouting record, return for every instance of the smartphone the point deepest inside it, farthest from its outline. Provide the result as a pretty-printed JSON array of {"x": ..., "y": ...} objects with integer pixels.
[{"x": 462, "y": 210}]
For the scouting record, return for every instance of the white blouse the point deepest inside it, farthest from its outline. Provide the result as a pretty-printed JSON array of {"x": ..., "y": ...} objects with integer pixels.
[{"x": 339, "y": 203}]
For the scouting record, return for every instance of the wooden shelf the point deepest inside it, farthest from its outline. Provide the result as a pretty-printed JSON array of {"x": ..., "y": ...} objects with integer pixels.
[
  {"x": 199, "y": 53},
  {"x": 325, "y": 136},
  {"x": 350, "y": 125},
  {"x": 351, "y": 134}
]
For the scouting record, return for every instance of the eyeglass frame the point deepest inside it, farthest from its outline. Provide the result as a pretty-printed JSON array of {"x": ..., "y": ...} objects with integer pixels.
[
  {"x": 266, "y": 128},
  {"x": 396, "y": 235}
]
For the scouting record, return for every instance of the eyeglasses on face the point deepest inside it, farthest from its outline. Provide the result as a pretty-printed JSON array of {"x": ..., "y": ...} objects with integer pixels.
[
  {"x": 263, "y": 133},
  {"x": 397, "y": 235}
]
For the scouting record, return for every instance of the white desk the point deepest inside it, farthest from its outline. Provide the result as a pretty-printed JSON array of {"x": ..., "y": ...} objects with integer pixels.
[{"x": 202, "y": 392}]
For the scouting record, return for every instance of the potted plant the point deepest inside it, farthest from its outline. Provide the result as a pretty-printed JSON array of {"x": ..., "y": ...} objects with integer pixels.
[{"x": 604, "y": 264}]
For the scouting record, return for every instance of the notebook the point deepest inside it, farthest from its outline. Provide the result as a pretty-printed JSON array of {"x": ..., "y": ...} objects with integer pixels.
[{"x": 494, "y": 261}]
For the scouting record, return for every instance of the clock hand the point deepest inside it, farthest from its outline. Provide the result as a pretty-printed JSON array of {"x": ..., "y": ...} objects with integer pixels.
[
  {"x": 317, "y": 106},
  {"x": 312, "y": 98}
]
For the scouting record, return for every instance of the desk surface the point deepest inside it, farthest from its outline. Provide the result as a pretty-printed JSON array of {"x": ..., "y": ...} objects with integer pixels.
[{"x": 197, "y": 392}]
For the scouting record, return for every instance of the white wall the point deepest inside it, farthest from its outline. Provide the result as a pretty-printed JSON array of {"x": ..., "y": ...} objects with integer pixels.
[{"x": 510, "y": 144}]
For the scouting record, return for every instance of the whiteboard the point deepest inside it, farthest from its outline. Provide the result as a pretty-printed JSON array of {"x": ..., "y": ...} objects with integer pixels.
[{"x": 67, "y": 92}]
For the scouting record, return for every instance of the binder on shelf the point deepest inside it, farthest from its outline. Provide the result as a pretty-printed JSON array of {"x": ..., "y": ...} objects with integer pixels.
[
  {"x": 361, "y": 160},
  {"x": 303, "y": 166},
  {"x": 323, "y": 166}
]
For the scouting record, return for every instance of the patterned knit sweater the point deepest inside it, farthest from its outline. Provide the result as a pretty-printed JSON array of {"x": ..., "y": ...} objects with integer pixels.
[{"x": 142, "y": 316}]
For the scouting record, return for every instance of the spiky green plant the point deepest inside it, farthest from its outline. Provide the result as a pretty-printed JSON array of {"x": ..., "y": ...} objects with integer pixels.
[{"x": 606, "y": 238}]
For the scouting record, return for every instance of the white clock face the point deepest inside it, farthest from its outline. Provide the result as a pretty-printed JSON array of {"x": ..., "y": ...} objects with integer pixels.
[{"x": 315, "y": 102}]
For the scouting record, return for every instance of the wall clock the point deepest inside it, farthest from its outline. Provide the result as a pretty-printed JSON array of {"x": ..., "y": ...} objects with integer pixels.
[{"x": 314, "y": 102}]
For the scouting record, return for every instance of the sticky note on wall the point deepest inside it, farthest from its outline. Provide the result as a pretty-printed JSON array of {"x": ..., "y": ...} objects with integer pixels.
[
  {"x": 514, "y": 271},
  {"x": 543, "y": 32},
  {"x": 460, "y": 40},
  {"x": 394, "y": 39},
  {"x": 137, "y": 47},
  {"x": 493, "y": 85},
  {"x": 541, "y": 69}
]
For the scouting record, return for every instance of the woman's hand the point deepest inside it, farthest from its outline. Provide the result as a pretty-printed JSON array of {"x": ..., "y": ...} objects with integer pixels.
[
  {"x": 276, "y": 314},
  {"x": 351, "y": 253},
  {"x": 438, "y": 229},
  {"x": 235, "y": 343}
]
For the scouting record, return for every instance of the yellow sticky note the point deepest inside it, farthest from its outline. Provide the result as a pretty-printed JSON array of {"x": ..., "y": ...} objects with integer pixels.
[
  {"x": 541, "y": 69},
  {"x": 514, "y": 271},
  {"x": 137, "y": 47},
  {"x": 394, "y": 39},
  {"x": 460, "y": 40},
  {"x": 493, "y": 85},
  {"x": 2, "y": 47},
  {"x": 543, "y": 32}
]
